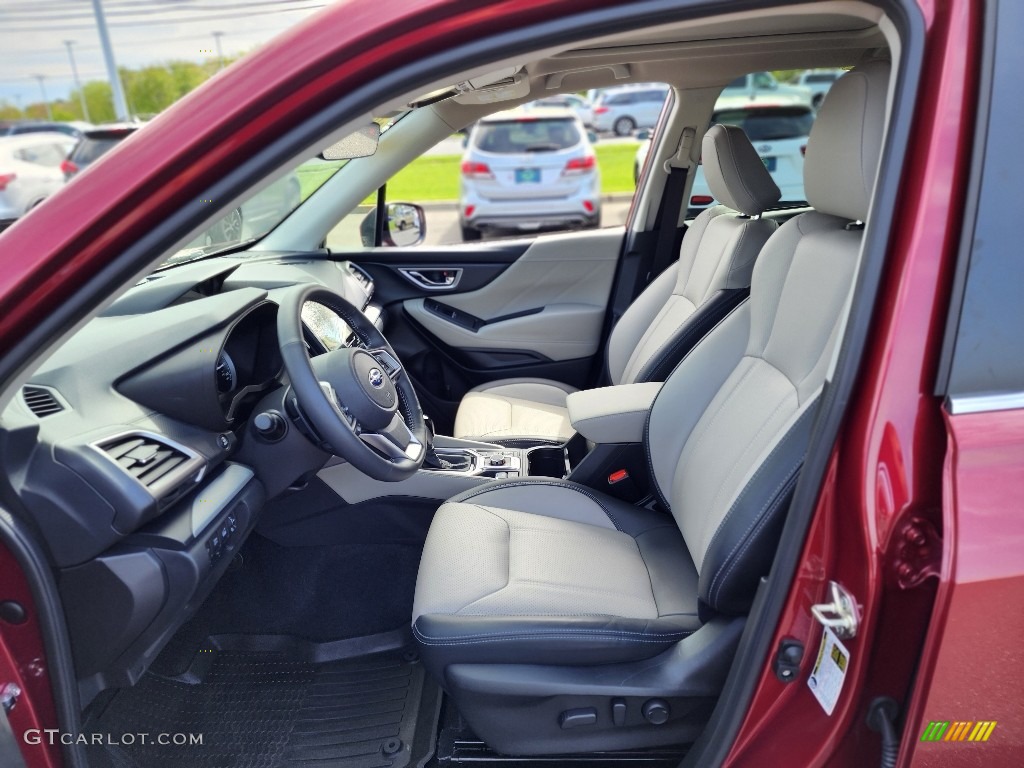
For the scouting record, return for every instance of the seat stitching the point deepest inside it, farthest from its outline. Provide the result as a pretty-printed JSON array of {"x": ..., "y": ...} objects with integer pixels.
[
  {"x": 541, "y": 634},
  {"x": 719, "y": 408},
  {"x": 766, "y": 515},
  {"x": 747, "y": 487},
  {"x": 728, "y": 558}
]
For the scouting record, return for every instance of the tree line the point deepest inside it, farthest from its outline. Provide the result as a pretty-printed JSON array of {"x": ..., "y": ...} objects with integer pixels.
[{"x": 148, "y": 91}]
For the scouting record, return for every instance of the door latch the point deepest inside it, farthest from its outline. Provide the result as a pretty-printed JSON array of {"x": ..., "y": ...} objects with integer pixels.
[
  {"x": 9, "y": 694},
  {"x": 842, "y": 615}
]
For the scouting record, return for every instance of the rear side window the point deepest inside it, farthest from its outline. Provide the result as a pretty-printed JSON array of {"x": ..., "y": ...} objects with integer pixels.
[
  {"x": 769, "y": 124},
  {"x": 739, "y": 82},
  {"x": 518, "y": 136},
  {"x": 89, "y": 150},
  {"x": 622, "y": 98},
  {"x": 820, "y": 78},
  {"x": 651, "y": 96}
]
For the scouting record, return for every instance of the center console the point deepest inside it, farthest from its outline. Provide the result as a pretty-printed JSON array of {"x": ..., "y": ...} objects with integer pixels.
[{"x": 500, "y": 463}]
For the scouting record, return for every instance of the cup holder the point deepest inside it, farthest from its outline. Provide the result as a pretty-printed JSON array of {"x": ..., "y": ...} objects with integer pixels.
[{"x": 547, "y": 461}]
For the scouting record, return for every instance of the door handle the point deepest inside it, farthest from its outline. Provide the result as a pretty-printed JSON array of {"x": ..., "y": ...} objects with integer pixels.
[{"x": 440, "y": 279}]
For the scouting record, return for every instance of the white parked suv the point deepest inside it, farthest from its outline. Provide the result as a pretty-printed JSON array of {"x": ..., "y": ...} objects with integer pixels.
[
  {"x": 625, "y": 109},
  {"x": 526, "y": 171},
  {"x": 30, "y": 170},
  {"x": 764, "y": 88},
  {"x": 779, "y": 134}
]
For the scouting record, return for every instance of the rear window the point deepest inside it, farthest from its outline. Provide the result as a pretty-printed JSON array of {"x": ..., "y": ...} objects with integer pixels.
[
  {"x": 510, "y": 137},
  {"x": 90, "y": 150},
  {"x": 769, "y": 124}
]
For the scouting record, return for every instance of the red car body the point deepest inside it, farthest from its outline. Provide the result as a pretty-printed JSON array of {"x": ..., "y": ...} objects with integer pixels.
[{"x": 901, "y": 469}]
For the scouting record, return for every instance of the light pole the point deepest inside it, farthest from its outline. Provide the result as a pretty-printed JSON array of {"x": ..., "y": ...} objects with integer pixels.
[
  {"x": 78, "y": 83},
  {"x": 220, "y": 52},
  {"x": 120, "y": 105},
  {"x": 46, "y": 103}
]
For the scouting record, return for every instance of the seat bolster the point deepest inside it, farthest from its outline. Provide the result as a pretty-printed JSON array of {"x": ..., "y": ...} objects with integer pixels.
[
  {"x": 674, "y": 348},
  {"x": 743, "y": 546},
  {"x": 571, "y": 640}
]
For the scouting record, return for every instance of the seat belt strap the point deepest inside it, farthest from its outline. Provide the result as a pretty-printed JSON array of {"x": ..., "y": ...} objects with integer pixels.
[{"x": 666, "y": 249}]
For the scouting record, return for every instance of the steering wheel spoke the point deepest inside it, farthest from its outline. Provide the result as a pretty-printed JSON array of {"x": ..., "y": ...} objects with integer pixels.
[
  {"x": 396, "y": 440},
  {"x": 388, "y": 362}
]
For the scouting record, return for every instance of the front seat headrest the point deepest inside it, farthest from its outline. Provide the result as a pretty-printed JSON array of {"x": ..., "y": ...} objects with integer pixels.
[
  {"x": 735, "y": 173},
  {"x": 846, "y": 143}
]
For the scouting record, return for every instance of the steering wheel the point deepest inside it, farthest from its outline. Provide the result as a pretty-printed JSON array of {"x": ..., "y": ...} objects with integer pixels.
[{"x": 356, "y": 399}]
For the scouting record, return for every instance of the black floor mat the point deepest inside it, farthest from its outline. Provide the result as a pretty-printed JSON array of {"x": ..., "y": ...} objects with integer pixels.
[{"x": 263, "y": 710}]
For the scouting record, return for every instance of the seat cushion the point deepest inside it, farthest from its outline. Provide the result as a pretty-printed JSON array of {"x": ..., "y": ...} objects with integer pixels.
[
  {"x": 542, "y": 571},
  {"x": 515, "y": 408}
]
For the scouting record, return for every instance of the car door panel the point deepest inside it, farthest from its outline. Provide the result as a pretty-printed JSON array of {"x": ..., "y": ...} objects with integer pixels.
[{"x": 551, "y": 301}]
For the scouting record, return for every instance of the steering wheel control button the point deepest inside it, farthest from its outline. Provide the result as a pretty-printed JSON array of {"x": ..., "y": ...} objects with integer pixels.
[
  {"x": 574, "y": 718},
  {"x": 270, "y": 426},
  {"x": 656, "y": 711}
]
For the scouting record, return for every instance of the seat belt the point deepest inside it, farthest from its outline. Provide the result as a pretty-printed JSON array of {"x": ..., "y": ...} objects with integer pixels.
[{"x": 666, "y": 250}]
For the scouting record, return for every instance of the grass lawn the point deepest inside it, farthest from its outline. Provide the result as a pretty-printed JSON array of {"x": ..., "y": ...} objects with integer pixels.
[{"x": 436, "y": 177}]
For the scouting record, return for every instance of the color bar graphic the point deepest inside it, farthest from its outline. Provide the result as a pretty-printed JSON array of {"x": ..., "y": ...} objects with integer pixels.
[{"x": 958, "y": 730}]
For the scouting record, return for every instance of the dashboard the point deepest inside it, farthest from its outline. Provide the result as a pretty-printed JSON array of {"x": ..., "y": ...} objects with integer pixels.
[{"x": 131, "y": 447}]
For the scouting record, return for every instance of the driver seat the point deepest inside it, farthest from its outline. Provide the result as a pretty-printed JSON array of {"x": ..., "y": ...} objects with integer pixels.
[{"x": 563, "y": 620}]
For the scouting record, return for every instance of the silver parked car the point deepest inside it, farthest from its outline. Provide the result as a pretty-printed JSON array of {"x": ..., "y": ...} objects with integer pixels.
[
  {"x": 625, "y": 109},
  {"x": 526, "y": 171},
  {"x": 30, "y": 170}
]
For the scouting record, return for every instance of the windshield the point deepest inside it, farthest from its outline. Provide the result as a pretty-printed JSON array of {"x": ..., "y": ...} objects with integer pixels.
[{"x": 261, "y": 212}]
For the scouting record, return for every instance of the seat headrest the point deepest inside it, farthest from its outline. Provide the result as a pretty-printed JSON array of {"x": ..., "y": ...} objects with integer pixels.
[
  {"x": 735, "y": 174},
  {"x": 846, "y": 143}
]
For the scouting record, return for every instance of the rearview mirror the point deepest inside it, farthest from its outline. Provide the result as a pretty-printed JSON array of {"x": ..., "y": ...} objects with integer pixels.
[{"x": 361, "y": 143}]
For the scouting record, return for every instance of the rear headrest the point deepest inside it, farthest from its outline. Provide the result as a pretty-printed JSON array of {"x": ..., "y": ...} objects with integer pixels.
[
  {"x": 734, "y": 172},
  {"x": 846, "y": 143}
]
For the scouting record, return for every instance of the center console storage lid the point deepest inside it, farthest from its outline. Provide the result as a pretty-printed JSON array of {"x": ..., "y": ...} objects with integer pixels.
[{"x": 613, "y": 414}]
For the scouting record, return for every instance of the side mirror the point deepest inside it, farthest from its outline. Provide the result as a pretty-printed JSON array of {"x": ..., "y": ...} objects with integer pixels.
[
  {"x": 592, "y": 137},
  {"x": 406, "y": 226},
  {"x": 465, "y": 140},
  {"x": 644, "y": 134}
]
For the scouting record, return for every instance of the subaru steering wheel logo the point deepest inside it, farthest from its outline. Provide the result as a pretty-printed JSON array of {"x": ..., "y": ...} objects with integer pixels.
[{"x": 376, "y": 378}]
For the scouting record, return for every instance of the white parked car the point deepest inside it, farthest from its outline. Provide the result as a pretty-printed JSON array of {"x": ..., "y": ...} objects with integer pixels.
[
  {"x": 625, "y": 109},
  {"x": 764, "y": 88},
  {"x": 30, "y": 170},
  {"x": 583, "y": 109},
  {"x": 779, "y": 134},
  {"x": 526, "y": 171},
  {"x": 819, "y": 81}
]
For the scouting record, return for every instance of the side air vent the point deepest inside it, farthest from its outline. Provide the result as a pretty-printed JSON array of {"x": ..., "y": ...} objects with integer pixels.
[
  {"x": 167, "y": 469},
  {"x": 41, "y": 401}
]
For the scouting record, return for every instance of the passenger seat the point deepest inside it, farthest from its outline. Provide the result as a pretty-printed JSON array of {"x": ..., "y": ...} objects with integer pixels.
[{"x": 711, "y": 276}]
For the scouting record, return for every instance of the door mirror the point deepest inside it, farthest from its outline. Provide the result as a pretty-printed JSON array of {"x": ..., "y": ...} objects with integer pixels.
[
  {"x": 406, "y": 226},
  {"x": 592, "y": 137},
  {"x": 644, "y": 134}
]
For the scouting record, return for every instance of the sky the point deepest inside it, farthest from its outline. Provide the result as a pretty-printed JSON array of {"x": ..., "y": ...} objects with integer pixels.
[{"x": 142, "y": 32}]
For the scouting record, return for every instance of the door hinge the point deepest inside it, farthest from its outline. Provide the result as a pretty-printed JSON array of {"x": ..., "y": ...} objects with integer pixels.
[
  {"x": 917, "y": 552},
  {"x": 842, "y": 615}
]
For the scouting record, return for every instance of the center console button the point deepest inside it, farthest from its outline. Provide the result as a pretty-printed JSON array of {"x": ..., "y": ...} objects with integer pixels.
[{"x": 498, "y": 460}]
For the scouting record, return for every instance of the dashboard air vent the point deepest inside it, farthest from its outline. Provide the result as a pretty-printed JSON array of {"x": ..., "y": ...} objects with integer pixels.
[
  {"x": 41, "y": 401},
  {"x": 157, "y": 464}
]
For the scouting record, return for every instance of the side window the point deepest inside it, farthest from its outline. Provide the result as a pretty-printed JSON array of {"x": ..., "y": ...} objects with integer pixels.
[
  {"x": 763, "y": 80},
  {"x": 983, "y": 357},
  {"x": 47, "y": 155},
  {"x": 534, "y": 170},
  {"x": 739, "y": 82}
]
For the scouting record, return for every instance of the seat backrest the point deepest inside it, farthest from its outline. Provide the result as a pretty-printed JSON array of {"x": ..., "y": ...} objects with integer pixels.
[
  {"x": 729, "y": 430},
  {"x": 713, "y": 272}
]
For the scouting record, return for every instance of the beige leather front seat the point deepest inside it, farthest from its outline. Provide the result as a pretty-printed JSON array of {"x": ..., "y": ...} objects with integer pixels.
[{"x": 689, "y": 298}]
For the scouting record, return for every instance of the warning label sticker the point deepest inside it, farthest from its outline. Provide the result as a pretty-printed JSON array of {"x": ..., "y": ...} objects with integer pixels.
[{"x": 826, "y": 680}]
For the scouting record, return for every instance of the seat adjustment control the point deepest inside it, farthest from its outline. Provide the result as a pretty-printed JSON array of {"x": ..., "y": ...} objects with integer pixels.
[
  {"x": 619, "y": 712},
  {"x": 656, "y": 711},
  {"x": 574, "y": 718}
]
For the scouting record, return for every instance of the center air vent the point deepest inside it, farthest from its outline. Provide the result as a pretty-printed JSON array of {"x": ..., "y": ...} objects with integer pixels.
[
  {"x": 166, "y": 469},
  {"x": 41, "y": 401}
]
